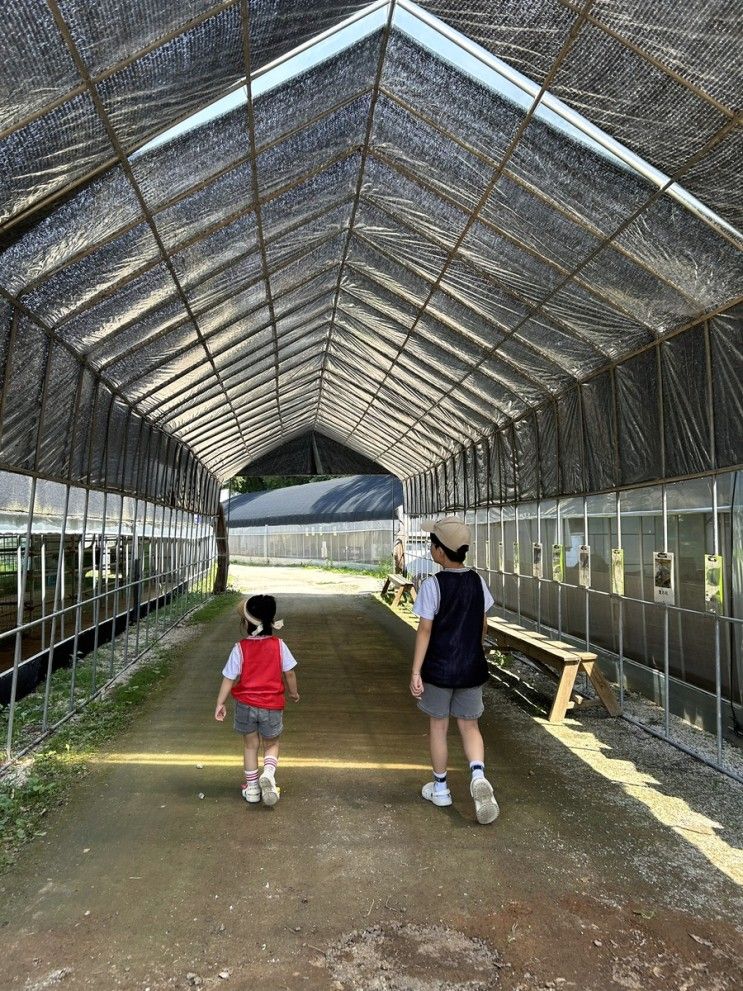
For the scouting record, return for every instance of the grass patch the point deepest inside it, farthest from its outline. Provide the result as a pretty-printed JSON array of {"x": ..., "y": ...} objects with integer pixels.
[
  {"x": 215, "y": 607},
  {"x": 43, "y": 780}
]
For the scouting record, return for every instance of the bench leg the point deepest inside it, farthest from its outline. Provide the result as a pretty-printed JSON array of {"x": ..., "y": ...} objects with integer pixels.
[
  {"x": 398, "y": 596},
  {"x": 385, "y": 586},
  {"x": 564, "y": 691},
  {"x": 602, "y": 686}
]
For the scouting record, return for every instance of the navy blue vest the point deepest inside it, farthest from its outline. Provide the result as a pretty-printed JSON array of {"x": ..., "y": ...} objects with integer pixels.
[{"x": 455, "y": 658}]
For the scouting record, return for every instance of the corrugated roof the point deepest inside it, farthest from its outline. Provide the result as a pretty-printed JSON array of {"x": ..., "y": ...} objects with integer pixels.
[
  {"x": 358, "y": 497},
  {"x": 400, "y": 236}
]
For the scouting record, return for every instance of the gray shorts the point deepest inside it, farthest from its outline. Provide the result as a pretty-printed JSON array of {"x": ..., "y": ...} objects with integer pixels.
[
  {"x": 462, "y": 703},
  {"x": 250, "y": 719}
]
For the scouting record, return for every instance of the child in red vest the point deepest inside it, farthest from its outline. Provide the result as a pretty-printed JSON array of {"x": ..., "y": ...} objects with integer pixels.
[{"x": 255, "y": 674}]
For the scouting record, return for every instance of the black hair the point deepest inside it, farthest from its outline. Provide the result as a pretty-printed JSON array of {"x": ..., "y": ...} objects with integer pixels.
[
  {"x": 458, "y": 555},
  {"x": 263, "y": 607}
]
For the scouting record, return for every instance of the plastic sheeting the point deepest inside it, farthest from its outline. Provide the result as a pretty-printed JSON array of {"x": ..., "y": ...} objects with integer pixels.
[{"x": 390, "y": 244}]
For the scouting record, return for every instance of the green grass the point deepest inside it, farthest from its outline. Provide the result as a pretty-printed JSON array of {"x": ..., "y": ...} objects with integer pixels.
[
  {"x": 65, "y": 757},
  {"x": 215, "y": 607}
]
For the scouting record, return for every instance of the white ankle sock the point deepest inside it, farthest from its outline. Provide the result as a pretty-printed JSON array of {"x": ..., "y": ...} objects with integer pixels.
[
  {"x": 478, "y": 769},
  {"x": 439, "y": 783}
]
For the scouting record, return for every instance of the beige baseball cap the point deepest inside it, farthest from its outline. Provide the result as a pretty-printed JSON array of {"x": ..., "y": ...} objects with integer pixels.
[{"x": 450, "y": 531}]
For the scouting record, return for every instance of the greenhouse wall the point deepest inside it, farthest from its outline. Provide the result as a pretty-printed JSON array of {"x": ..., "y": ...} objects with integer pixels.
[
  {"x": 586, "y": 568},
  {"x": 89, "y": 580},
  {"x": 365, "y": 545}
]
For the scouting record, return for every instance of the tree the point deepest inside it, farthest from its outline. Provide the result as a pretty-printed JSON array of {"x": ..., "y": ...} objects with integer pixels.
[{"x": 263, "y": 483}]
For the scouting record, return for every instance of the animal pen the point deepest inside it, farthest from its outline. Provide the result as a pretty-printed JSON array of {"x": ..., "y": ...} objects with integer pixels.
[{"x": 494, "y": 249}]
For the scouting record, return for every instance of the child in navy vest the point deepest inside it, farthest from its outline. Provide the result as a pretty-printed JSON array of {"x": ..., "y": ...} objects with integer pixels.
[
  {"x": 449, "y": 666},
  {"x": 256, "y": 672}
]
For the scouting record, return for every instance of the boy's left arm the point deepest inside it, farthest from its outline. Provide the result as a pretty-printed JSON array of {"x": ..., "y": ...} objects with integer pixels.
[{"x": 221, "y": 711}]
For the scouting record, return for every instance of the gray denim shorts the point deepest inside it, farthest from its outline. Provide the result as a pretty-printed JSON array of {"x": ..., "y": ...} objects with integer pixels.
[
  {"x": 250, "y": 719},
  {"x": 462, "y": 703}
]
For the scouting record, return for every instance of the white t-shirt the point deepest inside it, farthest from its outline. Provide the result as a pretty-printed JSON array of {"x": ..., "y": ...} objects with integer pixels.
[
  {"x": 428, "y": 599},
  {"x": 234, "y": 665}
]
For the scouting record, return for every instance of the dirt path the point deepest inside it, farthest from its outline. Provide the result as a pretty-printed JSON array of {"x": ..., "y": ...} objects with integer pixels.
[{"x": 613, "y": 865}]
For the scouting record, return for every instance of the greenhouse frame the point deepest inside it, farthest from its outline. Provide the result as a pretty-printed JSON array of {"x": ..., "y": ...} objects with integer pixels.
[{"x": 493, "y": 249}]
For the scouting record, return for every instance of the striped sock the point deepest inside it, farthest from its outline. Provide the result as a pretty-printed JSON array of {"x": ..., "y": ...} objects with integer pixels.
[
  {"x": 269, "y": 765},
  {"x": 251, "y": 776},
  {"x": 478, "y": 769},
  {"x": 439, "y": 783}
]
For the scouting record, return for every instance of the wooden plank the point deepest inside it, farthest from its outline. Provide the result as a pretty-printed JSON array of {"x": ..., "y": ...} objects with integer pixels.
[
  {"x": 563, "y": 693},
  {"x": 402, "y": 586},
  {"x": 602, "y": 686},
  {"x": 557, "y": 655}
]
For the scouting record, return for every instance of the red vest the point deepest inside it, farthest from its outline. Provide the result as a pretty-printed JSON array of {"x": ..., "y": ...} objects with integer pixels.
[{"x": 260, "y": 683}]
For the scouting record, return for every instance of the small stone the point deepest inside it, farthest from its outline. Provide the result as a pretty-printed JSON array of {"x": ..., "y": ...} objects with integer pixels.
[
  {"x": 597, "y": 942},
  {"x": 224, "y": 974},
  {"x": 202, "y": 795},
  {"x": 199, "y": 766}
]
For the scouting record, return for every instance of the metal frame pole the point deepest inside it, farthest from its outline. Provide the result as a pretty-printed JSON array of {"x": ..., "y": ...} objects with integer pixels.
[
  {"x": 666, "y": 645},
  {"x": 22, "y": 570},
  {"x": 620, "y": 620},
  {"x": 587, "y": 590},
  {"x": 517, "y": 571},
  {"x": 558, "y": 532},
  {"x": 102, "y": 553},
  {"x": 539, "y": 579},
  {"x": 55, "y": 606},
  {"x": 718, "y": 666},
  {"x": 502, "y": 561}
]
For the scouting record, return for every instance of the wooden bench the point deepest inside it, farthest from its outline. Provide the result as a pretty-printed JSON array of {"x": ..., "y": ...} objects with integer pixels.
[
  {"x": 403, "y": 586},
  {"x": 562, "y": 658}
]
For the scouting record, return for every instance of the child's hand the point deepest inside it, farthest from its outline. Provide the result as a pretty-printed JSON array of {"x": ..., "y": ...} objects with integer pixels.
[
  {"x": 294, "y": 696},
  {"x": 416, "y": 686},
  {"x": 220, "y": 712}
]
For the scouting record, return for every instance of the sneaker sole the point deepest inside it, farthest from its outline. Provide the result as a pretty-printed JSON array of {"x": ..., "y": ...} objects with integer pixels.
[
  {"x": 486, "y": 807},
  {"x": 269, "y": 791},
  {"x": 251, "y": 801}
]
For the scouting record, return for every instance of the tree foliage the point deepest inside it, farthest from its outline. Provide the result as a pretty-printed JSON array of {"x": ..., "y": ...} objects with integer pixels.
[{"x": 264, "y": 483}]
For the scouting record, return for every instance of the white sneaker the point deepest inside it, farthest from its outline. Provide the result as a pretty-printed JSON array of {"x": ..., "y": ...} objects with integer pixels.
[
  {"x": 269, "y": 789},
  {"x": 486, "y": 807},
  {"x": 440, "y": 798},
  {"x": 251, "y": 792}
]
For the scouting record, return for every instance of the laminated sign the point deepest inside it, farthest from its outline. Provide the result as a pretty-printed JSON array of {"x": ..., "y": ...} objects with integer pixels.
[
  {"x": 501, "y": 559},
  {"x": 713, "y": 582},
  {"x": 516, "y": 558},
  {"x": 558, "y": 563},
  {"x": 584, "y": 566},
  {"x": 664, "y": 586},
  {"x": 536, "y": 560},
  {"x": 617, "y": 571}
]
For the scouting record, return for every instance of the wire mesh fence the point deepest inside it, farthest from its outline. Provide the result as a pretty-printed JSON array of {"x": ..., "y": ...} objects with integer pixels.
[{"x": 89, "y": 581}]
